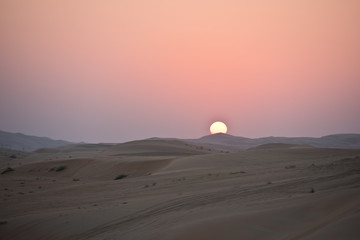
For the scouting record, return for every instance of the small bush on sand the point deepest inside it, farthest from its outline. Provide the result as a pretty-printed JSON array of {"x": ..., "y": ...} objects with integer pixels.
[
  {"x": 121, "y": 176},
  {"x": 9, "y": 169},
  {"x": 60, "y": 168},
  {"x": 312, "y": 190}
]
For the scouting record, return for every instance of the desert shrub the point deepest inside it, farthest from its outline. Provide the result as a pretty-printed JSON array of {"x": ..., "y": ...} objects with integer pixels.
[
  {"x": 121, "y": 176},
  {"x": 60, "y": 168},
  {"x": 312, "y": 190},
  {"x": 237, "y": 172},
  {"x": 76, "y": 179},
  {"x": 13, "y": 156},
  {"x": 9, "y": 169}
]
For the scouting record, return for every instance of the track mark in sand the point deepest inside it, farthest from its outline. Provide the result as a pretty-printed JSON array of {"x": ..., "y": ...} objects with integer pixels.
[
  {"x": 347, "y": 212},
  {"x": 196, "y": 200}
]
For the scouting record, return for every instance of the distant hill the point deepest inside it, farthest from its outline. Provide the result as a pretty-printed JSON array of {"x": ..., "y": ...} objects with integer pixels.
[
  {"x": 220, "y": 141},
  {"x": 19, "y": 141},
  {"x": 228, "y": 142},
  {"x": 279, "y": 146}
]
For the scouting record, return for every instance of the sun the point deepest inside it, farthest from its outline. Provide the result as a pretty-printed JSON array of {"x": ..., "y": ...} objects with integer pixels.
[{"x": 218, "y": 127}]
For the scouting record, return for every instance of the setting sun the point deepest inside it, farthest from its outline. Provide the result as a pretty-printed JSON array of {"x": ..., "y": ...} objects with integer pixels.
[{"x": 218, "y": 127}]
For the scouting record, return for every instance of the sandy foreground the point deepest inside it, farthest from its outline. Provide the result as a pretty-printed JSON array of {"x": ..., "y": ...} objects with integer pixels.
[{"x": 175, "y": 190}]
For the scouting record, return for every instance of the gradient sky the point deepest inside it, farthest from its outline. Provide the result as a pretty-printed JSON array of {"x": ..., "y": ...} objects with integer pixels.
[{"x": 112, "y": 71}]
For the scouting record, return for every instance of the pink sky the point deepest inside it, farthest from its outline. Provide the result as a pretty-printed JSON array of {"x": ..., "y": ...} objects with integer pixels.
[{"x": 114, "y": 71}]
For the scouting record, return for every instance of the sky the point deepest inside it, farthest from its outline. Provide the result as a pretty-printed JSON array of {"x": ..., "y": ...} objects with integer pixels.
[{"x": 114, "y": 71}]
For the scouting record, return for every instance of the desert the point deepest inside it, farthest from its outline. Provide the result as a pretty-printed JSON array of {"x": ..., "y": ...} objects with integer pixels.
[
  {"x": 179, "y": 120},
  {"x": 173, "y": 189}
]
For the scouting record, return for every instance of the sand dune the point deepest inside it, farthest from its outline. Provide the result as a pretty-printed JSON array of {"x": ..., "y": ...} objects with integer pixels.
[
  {"x": 298, "y": 219},
  {"x": 228, "y": 142},
  {"x": 176, "y": 190},
  {"x": 91, "y": 169}
]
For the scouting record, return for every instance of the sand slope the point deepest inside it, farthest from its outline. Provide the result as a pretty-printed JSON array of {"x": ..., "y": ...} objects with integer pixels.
[{"x": 175, "y": 190}]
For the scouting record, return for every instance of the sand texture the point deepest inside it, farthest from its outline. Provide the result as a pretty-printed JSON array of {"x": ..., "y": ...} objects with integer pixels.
[{"x": 170, "y": 189}]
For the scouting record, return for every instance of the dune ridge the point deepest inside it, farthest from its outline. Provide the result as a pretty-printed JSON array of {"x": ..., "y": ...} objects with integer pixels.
[{"x": 172, "y": 189}]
